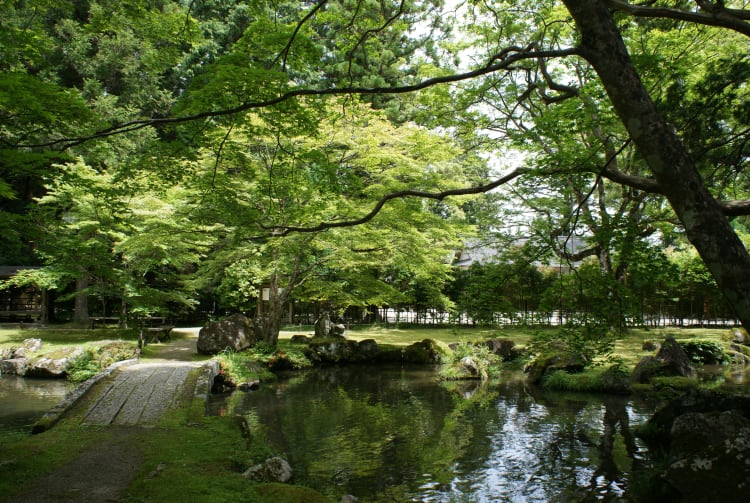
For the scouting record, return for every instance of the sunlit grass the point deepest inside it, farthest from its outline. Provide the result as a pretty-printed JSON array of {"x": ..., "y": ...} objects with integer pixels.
[
  {"x": 58, "y": 339},
  {"x": 404, "y": 336},
  {"x": 629, "y": 346}
]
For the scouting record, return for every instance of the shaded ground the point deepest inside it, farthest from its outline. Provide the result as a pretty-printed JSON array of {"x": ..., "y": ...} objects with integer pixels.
[{"x": 136, "y": 396}]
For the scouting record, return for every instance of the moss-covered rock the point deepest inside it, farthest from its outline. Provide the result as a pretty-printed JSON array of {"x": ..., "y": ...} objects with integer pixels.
[
  {"x": 705, "y": 436},
  {"x": 425, "y": 351},
  {"x": 671, "y": 360},
  {"x": 275, "y": 492},
  {"x": 546, "y": 364},
  {"x": 331, "y": 351}
]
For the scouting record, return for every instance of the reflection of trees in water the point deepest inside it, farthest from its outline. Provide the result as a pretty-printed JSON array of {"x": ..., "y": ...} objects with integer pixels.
[
  {"x": 607, "y": 476},
  {"x": 595, "y": 446},
  {"x": 374, "y": 431}
]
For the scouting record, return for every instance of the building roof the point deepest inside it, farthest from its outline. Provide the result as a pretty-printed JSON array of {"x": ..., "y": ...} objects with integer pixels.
[{"x": 8, "y": 271}]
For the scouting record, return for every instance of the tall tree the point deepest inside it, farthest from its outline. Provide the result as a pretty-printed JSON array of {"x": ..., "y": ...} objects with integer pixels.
[
  {"x": 280, "y": 60},
  {"x": 269, "y": 179}
]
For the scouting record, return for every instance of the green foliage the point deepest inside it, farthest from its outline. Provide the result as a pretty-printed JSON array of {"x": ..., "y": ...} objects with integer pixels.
[
  {"x": 155, "y": 218},
  {"x": 487, "y": 363},
  {"x": 613, "y": 379},
  {"x": 93, "y": 361},
  {"x": 704, "y": 352},
  {"x": 242, "y": 366},
  {"x": 578, "y": 339}
]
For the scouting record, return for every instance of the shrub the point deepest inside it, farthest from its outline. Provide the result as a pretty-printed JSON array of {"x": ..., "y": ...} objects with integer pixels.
[
  {"x": 585, "y": 341},
  {"x": 487, "y": 363},
  {"x": 614, "y": 379},
  {"x": 704, "y": 352},
  {"x": 93, "y": 361}
]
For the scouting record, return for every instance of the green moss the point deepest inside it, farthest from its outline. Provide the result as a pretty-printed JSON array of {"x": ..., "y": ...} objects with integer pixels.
[
  {"x": 614, "y": 379},
  {"x": 661, "y": 389},
  {"x": 243, "y": 366},
  {"x": 277, "y": 493}
]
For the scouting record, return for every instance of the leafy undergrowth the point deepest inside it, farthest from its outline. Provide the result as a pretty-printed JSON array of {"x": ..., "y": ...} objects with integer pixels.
[
  {"x": 258, "y": 362},
  {"x": 486, "y": 363},
  {"x": 94, "y": 360}
]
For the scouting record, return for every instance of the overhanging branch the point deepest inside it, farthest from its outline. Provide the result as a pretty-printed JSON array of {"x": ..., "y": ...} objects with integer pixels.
[
  {"x": 285, "y": 230},
  {"x": 712, "y": 14},
  {"x": 505, "y": 64},
  {"x": 729, "y": 208}
]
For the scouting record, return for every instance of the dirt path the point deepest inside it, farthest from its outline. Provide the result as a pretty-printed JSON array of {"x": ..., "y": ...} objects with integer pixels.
[{"x": 135, "y": 397}]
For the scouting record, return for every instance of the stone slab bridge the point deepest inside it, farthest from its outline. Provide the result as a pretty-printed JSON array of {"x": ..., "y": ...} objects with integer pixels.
[{"x": 138, "y": 393}]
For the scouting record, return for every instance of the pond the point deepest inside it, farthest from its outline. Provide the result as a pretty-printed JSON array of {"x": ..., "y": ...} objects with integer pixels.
[
  {"x": 399, "y": 434},
  {"x": 23, "y": 401}
]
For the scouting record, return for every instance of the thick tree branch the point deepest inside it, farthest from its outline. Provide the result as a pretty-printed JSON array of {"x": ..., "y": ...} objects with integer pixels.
[
  {"x": 729, "y": 208},
  {"x": 505, "y": 64},
  {"x": 636, "y": 182},
  {"x": 284, "y": 230},
  {"x": 714, "y": 14}
]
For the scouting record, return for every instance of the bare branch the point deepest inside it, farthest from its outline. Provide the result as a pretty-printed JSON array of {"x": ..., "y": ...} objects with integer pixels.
[
  {"x": 729, "y": 208},
  {"x": 717, "y": 15},
  {"x": 284, "y": 230},
  {"x": 636, "y": 182}
]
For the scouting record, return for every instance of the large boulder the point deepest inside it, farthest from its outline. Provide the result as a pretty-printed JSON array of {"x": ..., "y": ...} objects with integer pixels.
[
  {"x": 705, "y": 438},
  {"x": 323, "y": 325},
  {"x": 55, "y": 366},
  {"x": 234, "y": 333},
  {"x": 32, "y": 344},
  {"x": 367, "y": 350},
  {"x": 739, "y": 336},
  {"x": 504, "y": 348},
  {"x": 670, "y": 361},
  {"x": 13, "y": 366},
  {"x": 325, "y": 328},
  {"x": 710, "y": 456},
  {"x": 274, "y": 469},
  {"x": 425, "y": 351},
  {"x": 545, "y": 364},
  {"x": 328, "y": 352}
]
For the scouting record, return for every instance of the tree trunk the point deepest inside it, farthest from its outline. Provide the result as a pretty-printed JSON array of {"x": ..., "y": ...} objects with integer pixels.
[
  {"x": 81, "y": 308},
  {"x": 267, "y": 322},
  {"x": 705, "y": 225}
]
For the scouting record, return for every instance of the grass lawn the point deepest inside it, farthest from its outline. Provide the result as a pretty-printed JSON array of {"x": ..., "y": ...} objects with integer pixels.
[
  {"x": 628, "y": 347},
  {"x": 406, "y": 336},
  {"x": 59, "y": 338}
]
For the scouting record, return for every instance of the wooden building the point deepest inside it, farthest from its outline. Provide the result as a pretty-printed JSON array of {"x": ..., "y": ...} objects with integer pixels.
[{"x": 19, "y": 303}]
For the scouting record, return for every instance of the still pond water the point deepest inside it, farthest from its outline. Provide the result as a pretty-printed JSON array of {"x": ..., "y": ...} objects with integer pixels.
[
  {"x": 24, "y": 401},
  {"x": 399, "y": 434}
]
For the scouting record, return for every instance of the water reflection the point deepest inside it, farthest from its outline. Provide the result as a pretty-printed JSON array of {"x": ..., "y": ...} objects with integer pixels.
[
  {"x": 23, "y": 400},
  {"x": 399, "y": 434}
]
